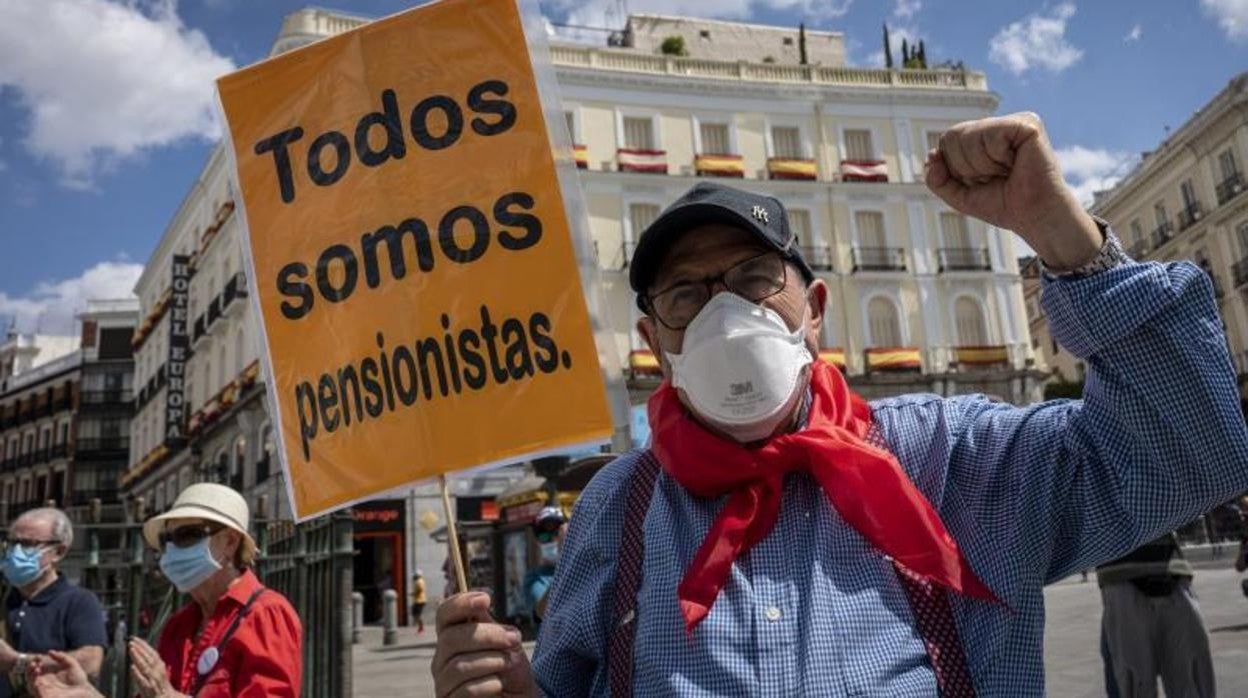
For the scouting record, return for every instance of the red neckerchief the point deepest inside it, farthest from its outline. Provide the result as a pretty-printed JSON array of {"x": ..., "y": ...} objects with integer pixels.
[{"x": 866, "y": 486}]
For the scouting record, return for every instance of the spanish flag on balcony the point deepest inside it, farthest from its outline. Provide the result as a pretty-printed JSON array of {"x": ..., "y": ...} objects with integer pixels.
[
  {"x": 640, "y": 160},
  {"x": 864, "y": 171},
  {"x": 834, "y": 356},
  {"x": 581, "y": 154},
  {"x": 893, "y": 359},
  {"x": 791, "y": 168},
  {"x": 981, "y": 356},
  {"x": 643, "y": 362},
  {"x": 719, "y": 165}
]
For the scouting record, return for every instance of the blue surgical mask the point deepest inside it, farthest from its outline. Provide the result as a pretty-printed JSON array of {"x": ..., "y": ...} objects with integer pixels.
[
  {"x": 189, "y": 567},
  {"x": 22, "y": 565},
  {"x": 549, "y": 552}
]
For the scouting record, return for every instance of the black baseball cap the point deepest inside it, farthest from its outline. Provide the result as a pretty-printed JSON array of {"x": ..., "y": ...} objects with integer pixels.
[{"x": 712, "y": 202}]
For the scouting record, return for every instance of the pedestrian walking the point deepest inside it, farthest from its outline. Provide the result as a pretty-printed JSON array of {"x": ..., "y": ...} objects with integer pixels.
[
  {"x": 235, "y": 638},
  {"x": 419, "y": 598},
  {"x": 782, "y": 536},
  {"x": 1152, "y": 625},
  {"x": 44, "y": 611},
  {"x": 547, "y": 528}
]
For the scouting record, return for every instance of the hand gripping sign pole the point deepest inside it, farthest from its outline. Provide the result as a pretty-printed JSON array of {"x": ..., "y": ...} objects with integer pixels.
[{"x": 414, "y": 229}]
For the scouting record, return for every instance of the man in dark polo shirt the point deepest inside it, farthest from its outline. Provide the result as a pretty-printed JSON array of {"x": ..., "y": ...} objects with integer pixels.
[{"x": 43, "y": 610}]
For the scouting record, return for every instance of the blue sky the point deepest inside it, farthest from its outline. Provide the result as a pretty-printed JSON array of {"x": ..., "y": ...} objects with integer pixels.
[{"x": 100, "y": 139}]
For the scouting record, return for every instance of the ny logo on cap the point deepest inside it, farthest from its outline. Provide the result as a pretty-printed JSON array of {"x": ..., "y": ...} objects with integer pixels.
[{"x": 760, "y": 214}]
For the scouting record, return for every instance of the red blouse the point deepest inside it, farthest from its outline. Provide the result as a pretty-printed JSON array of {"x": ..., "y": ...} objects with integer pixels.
[{"x": 263, "y": 658}]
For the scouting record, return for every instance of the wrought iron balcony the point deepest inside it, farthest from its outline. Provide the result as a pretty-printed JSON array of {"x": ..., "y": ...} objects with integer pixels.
[
  {"x": 879, "y": 259},
  {"x": 235, "y": 289},
  {"x": 1162, "y": 234},
  {"x": 1190, "y": 215},
  {"x": 102, "y": 447},
  {"x": 964, "y": 259},
  {"x": 1229, "y": 188},
  {"x": 819, "y": 257},
  {"x": 116, "y": 397}
]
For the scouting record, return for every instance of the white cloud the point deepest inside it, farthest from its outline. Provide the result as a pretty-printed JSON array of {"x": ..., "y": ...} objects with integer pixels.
[
  {"x": 1088, "y": 170},
  {"x": 905, "y": 9},
  {"x": 51, "y": 305},
  {"x": 104, "y": 80},
  {"x": 1036, "y": 41},
  {"x": 895, "y": 36},
  {"x": 1134, "y": 35},
  {"x": 1231, "y": 15}
]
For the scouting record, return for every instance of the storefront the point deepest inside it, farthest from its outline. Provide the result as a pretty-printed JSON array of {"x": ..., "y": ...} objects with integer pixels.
[{"x": 379, "y": 555}]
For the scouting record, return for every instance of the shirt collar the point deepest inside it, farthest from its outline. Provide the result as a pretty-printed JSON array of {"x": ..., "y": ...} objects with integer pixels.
[
  {"x": 53, "y": 590},
  {"x": 241, "y": 590}
]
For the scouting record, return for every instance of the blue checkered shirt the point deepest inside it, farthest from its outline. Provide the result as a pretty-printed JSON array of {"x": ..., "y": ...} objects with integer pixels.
[{"x": 1032, "y": 494}]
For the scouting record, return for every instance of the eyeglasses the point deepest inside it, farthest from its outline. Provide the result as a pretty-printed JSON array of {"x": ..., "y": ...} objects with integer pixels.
[
  {"x": 28, "y": 543},
  {"x": 753, "y": 279},
  {"x": 186, "y": 536}
]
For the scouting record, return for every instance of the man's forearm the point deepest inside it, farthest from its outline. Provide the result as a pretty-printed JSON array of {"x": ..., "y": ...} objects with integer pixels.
[{"x": 91, "y": 658}]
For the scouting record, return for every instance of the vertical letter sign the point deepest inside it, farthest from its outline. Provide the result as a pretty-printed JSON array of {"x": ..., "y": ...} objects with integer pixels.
[
  {"x": 179, "y": 342},
  {"x": 413, "y": 259}
]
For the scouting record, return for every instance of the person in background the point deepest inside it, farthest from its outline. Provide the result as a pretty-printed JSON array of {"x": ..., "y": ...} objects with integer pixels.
[
  {"x": 547, "y": 528},
  {"x": 236, "y": 637},
  {"x": 44, "y": 611},
  {"x": 1152, "y": 625},
  {"x": 419, "y": 599}
]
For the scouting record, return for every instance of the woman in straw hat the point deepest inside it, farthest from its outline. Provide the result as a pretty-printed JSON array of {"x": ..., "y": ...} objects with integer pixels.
[{"x": 235, "y": 638}]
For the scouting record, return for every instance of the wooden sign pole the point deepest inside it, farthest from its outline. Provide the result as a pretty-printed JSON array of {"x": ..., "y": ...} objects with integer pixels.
[{"x": 452, "y": 536}]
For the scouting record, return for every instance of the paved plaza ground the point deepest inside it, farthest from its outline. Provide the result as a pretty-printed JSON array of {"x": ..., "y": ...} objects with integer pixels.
[{"x": 1071, "y": 643}]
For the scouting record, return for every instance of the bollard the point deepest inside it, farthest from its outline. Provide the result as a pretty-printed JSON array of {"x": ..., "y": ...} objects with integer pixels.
[
  {"x": 390, "y": 617},
  {"x": 357, "y": 617}
]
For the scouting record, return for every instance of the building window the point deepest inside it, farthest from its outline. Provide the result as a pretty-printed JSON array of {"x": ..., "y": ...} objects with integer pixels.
[
  {"x": 238, "y": 466},
  {"x": 640, "y": 216},
  {"x": 1137, "y": 232},
  {"x": 570, "y": 120},
  {"x": 799, "y": 221},
  {"x": 1189, "y": 194},
  {"x": 239, "y": 354},
  {"x": 870, "y": 226},
  {"x": 714, "y": 138},
  {"x": 1159, "y": 214},
  {"x": 883, "y": 323},
  {"x": 638, "y": 133},
  {"x": 954, "y": 229},
  {"x": 858, "y": 145},
  {"x": 786, "y": 141},
  {"x": 969, "y": 318},
  {"x": 1241, "y": 232},
  {"x": 1226, "y": 163}
]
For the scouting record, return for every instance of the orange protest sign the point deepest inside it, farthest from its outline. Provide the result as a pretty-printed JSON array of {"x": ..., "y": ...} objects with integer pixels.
[{"x": 412, "y": 255}]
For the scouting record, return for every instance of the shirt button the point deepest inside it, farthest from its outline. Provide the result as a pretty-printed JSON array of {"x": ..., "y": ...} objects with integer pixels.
[
  {"x": 22, "y": 614},
  {"x": 773, "y": 614}
]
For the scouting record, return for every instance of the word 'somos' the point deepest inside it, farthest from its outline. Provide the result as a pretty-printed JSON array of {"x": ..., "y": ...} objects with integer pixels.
[{"x": 324, "y": 170}]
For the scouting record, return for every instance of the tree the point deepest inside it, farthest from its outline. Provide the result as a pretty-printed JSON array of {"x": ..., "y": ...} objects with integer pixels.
[
  {"x": 673, "y": 46},
  {"x": 888, "y": 50},
  {"x": 922, "y": 54},
  {"x": 801, "y": 42},
  {"x": 905, "y": 53}
]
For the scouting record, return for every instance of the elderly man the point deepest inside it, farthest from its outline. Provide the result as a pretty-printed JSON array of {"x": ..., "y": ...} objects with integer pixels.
[
  {"x": 44, "y": 611},
  {"x": 783, "y": 537}
]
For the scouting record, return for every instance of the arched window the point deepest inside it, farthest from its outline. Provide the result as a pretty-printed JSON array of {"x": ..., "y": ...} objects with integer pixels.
[
  {"x": 223, "y": 467},
  {"x": 969, "y": 318},
  {"x": 239, "y": 463},
  {"x": 883, "y": 323}
]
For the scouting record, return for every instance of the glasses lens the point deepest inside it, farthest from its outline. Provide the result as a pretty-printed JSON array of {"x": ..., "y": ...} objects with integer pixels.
[
  {"x": 185, "y": 536},
  {"x": 677, "y": 306},
  {"x": 757, "y": 278}
]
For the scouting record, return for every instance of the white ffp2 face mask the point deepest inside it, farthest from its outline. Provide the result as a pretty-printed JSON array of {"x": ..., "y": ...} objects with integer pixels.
[{"x": 740, "y": 366}]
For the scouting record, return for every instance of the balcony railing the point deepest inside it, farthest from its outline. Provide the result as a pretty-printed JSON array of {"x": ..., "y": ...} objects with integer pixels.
[
  {"x": 792, "y": 168},
  {"x": 235, "y": 289},
  {"x": 964, "y": 259},
  {"x": 1190, "y": 215},
  {"x": 1239, "y": 272},
  {"x": 263, "y": 467},
  {"x": 59, "y": 451},
  {"x": 864, "y": 171},
  {"x": 101, "y": 445},
  {"x": 879, "y": 259},
  {"x": 84, "y": 497},
  {"x": 819, "y": 257},
  {"x": 1229, "y": 188},
  {"x": 1162, "y": 234},
  {"x": 107, "y": 397},
  {"x": 719, "y": 165}
]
